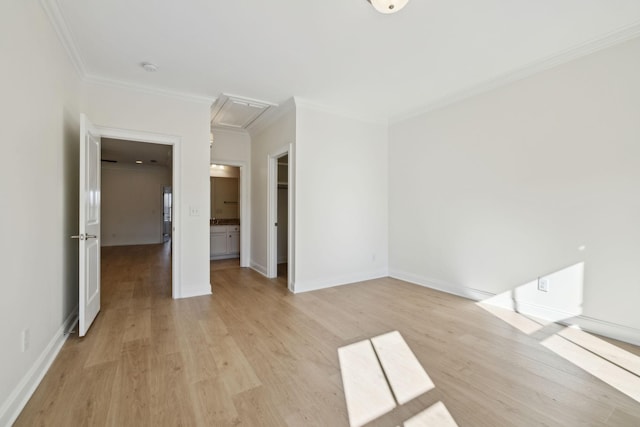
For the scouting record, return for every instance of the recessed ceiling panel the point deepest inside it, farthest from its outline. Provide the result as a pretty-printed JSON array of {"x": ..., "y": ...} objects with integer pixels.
[{"x": 237, "y": 113}]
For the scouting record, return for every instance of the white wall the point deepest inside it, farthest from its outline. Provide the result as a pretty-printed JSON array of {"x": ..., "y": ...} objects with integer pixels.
[
  {"x": 140, "y": 111},
  {"x": 230, "y": 145},
  {"x": 278, "y": 134},
  {"x": 341, "y": 199},
  {"x": 494, "y": 191},
  {"x": 131, "y": 197},
  {"x": 39, "y": 203}
]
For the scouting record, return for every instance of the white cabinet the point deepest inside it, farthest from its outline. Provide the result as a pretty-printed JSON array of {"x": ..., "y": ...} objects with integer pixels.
[{"x": 224, "y": 241}]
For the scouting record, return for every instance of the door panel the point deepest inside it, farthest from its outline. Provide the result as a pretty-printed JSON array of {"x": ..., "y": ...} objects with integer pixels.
[{"x": 89, "y": 236}]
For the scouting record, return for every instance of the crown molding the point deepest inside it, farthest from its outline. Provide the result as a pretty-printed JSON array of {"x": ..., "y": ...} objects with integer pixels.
[
  {"x": 53, "y": 12},
  {"x": 270, "y": 116},
  {"x": 612, "y": 38},
  {"x": 223, "y": 130},
  {"x": 118, "y": 84},
  {"x": 321, "y": 108}
]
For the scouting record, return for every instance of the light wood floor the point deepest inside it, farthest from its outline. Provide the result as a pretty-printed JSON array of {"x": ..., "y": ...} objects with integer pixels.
[{"x": 254, "y": 355}]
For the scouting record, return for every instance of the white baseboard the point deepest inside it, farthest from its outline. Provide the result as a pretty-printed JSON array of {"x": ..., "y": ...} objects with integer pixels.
[
  {"x": 586, "y": 323},
  {"x": 314, "y": 285},
  {"x": 195, "y": 291},
  {"x": 227, "y": 256},
  {"x": 440, "y": 285},
  {"x": 607, "y": 329},
  {"x": 19, "y": 397},
  {"x": 258, "y": 268}
]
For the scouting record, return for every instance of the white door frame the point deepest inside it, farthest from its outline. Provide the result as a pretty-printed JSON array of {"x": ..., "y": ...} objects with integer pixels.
[
  {"x": 245, "y": 211},
  {"x": 176, "y": 230},
  {"x": 272, "y": 214}
]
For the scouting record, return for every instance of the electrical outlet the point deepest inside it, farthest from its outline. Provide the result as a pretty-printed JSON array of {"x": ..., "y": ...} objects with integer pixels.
[
  {"x": 26, "y": 338},
  {"x": 543, "y": 284},
  {"x": 194, "y": 211}
]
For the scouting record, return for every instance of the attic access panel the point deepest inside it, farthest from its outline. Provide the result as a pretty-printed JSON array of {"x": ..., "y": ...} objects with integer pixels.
[{"x": 238, "y": 113}]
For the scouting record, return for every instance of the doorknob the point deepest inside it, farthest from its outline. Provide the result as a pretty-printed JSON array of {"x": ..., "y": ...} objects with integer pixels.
[{"x": 85, "y": 236}]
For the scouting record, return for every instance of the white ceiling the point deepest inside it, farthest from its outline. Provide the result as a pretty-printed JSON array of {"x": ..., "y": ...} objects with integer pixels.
[{"x": 341, "y": 54}]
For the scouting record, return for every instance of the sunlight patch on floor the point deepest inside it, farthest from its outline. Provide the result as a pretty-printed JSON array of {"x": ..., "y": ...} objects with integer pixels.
[
  {"x": 615, "y": 376},
  {"x": 517, "y": 320},
  {"x": 602, "y": 348},
  {"x": 382, "y": 373},
  {"x": 365, "y": 388},
  {"x": 407, "y": 377},
  {"x": 607, "y": 362},
  {"x": 436, "y": 415}
]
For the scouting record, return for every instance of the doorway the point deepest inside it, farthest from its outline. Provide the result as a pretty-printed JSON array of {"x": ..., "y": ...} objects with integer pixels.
[
  {"x": 229, "y": 222},
  {"x": 136, "y": 209},
  {"x": 159, "y": 154},
  {"x": 282, "y": 215},
  {"x": 224, "y": 217},
  {"x": 280, "y": 197}
]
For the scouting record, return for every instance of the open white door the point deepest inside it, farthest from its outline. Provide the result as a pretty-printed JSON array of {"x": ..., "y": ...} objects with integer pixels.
[{"x": 89, "y": 230}]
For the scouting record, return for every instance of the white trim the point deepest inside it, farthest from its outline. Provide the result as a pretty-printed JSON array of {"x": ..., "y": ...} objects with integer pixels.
[
  {"x": 195, "y": 291},
  {"x": 542, "y": 312},
  {"x": 350, "y": 279},
  {"x": 231, "y": 131},
  {"x": 15, "y": 403},
  {"x": 258, "y": 268},
  {"x": 229, "y": 96},
  {"x": 291, "y": 220},
  {"x": 612, "y": 38},
  {"x": 176, "y": 190},
  {"x": 440, "y": 285},
  {"x": 52, "y": 10},
  {"x": 608, "y": 329},
  {"x": 225, "y": 256},
  {"x": 272, "y": 209},
  {"x": 119, "y": 84},
  {"x": 617, "y": 36},
  {"x": 245, "y": 207},
  {"x": 586, "y": 323},
  {"x": 225, "y": 97},
  {"x": 271, "y": 116}
]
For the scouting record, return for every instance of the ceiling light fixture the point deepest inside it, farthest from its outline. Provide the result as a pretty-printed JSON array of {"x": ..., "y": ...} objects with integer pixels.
[
  {"x": 139, "y": 162},
  {"x": 149, "y": 67},
  {"x": 388, "y": 6}
]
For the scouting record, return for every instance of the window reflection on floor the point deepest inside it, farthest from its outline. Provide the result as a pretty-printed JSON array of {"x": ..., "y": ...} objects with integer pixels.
[
  {"x": 436, "y": 415},
  {"x": 609, "y": 363},
  {"x": 381, "y": 374}
]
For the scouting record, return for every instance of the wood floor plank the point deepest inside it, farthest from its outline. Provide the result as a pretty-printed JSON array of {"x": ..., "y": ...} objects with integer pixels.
[
  {"x": 131, "y": 392},
  {"x": 214, "y": 404}
]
